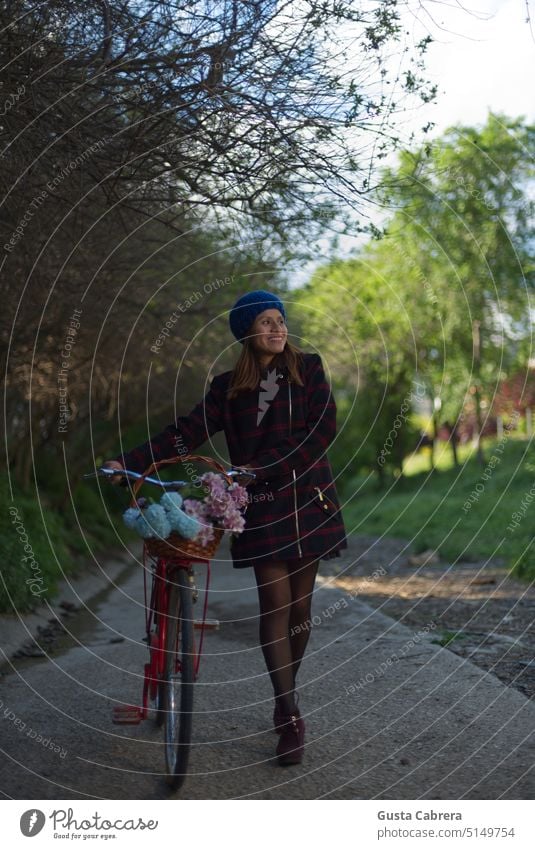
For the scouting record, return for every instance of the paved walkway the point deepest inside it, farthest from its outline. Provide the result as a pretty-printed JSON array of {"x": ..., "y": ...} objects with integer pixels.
[{"x": 389, "y": 714}]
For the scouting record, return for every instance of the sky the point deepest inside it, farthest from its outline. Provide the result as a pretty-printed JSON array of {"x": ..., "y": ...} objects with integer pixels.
[{"x": 482, "y": 58}]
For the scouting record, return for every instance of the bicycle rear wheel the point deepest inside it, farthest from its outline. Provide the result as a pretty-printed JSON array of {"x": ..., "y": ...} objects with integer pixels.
[
  {"x": 178, "y": 678},
  {"x": 159, "y": 710}
]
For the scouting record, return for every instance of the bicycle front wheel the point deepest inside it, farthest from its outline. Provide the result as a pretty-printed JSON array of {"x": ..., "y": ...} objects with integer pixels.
[{"x": 178, "y": 678}]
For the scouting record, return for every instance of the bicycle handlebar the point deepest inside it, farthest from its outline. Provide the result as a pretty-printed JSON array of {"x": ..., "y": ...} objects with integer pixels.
[{"x": 172, "y": 486}]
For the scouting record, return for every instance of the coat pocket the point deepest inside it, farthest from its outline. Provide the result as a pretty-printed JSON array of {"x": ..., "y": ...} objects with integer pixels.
[{"x": 327, "y": 507}]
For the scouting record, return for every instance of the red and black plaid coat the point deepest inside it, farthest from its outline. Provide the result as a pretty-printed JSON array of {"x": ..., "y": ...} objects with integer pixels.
[{"x": 283, "y": 430}]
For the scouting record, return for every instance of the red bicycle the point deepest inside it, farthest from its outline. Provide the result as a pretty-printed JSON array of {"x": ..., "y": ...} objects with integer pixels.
[{"x": 174, "y": 657}]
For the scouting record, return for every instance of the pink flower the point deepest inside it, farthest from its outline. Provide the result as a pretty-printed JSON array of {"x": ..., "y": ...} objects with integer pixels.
[
  {"x": 205, "y": 535},
  {"x": 221, "y": 507},
  {"x": 233, "y": 521},
  {"x": 216, "y": 484},
  {"x": 239, "y": 494},
  {"x": 196, "y": 508},
  {"x": 216, "y": 505}
]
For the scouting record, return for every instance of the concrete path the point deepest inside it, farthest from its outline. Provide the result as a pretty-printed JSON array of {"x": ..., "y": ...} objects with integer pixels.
[{"x": 389, "y": 714}]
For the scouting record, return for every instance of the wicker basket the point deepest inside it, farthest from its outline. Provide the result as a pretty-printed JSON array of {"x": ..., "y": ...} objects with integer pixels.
[{"x": 175, "y": 546}]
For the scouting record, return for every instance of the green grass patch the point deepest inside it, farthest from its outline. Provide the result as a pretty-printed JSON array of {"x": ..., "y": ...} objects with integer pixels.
[
  {"x": 464, "y": 512},
  {"x": 42, "y": 540},
  {"x": 50, "y": 531},
  {"x": 447, "y": 637},
  {"x": 55, "y": 527},
  {"x": 420, "y": 461}
]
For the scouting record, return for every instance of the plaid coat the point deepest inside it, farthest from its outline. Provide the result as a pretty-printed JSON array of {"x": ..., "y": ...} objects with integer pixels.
[{"x": 282, "y": 430}]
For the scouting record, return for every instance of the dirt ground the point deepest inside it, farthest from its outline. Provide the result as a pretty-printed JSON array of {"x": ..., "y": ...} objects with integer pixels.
[{"x": 479, "y": 611}]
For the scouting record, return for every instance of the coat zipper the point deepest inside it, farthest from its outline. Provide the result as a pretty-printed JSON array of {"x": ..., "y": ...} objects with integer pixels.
[{"x": 293, "y": 473}]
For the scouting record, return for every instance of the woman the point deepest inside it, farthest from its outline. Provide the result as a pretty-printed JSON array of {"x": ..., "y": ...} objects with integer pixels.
[{"x": 279, "y": 417}]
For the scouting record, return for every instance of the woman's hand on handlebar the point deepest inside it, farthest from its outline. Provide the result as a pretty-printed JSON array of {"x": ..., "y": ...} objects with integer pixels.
[
  {"x": 113, "y": 464},
  {"x": 246, "y": 479}
]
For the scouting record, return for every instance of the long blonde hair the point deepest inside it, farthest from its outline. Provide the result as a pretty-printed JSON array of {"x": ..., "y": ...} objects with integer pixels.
[{"x": 246, "y": 374}]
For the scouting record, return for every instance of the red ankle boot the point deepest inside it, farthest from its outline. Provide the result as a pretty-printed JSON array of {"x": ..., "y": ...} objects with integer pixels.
[
  {"x": 278, "y": 715},
  {"x": 291, "y": 743}
]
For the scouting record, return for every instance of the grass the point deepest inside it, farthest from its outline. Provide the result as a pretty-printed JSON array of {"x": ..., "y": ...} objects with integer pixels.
[
  {"x": 464, "y": 512},
  {"x": 61, "y": 529},
  {"x": 41, "y": 543},
  {"x": 429, "y": 509},
  {"x": 447, "y": 637},
  {"x": 420, "y": 461},
  {"x": 61, "y": 535}
]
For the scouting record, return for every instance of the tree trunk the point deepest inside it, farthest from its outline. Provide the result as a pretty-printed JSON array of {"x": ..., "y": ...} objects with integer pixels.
[
  {"x": 453, "y": 441},
  {"x": 380, "y": 476},
  {"x": 476, "y": 339},
  {"x": 434, "y": 438}
]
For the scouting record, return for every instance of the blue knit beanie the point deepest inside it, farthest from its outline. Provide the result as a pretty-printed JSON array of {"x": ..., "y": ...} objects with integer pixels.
[{"x": 246, "y": 309}]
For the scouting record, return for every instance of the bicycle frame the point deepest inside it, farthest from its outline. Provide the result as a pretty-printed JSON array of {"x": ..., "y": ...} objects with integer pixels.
[
  {"x": 174, "y": 657},
  {"x": 161, "y": 569},
  {"x": 161, "y": 574}
]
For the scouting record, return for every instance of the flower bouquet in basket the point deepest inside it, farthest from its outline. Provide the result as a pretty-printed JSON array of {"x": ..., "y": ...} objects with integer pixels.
[{"x": 192, "y": 522}]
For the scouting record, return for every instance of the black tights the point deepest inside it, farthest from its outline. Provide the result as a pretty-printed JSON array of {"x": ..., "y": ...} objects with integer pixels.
[{"x": 285, "y": 596}]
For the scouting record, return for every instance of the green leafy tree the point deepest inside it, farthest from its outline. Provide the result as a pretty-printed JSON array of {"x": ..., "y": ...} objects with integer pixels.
[
  {"x": 187, "y": 129},
  {"x": 441, "y": 298},
  {"x": 463, "y": 223},
  {"x": 358, "y": 322}
]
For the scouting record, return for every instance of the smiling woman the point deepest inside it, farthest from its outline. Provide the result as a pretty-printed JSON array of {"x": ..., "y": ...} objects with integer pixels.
[
  {"x": 270, "y": 333},
  {"x": 258, "y": 321},
  {"x": 279, "y": 417}
]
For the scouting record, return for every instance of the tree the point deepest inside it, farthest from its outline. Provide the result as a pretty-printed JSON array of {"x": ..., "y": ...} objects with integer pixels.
[
  {"x": 216, "y": 134},
  {"x": 357, "y": 320},
  {"x": 463, "y": 218},
  {"x": 441, "y": 297}
]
